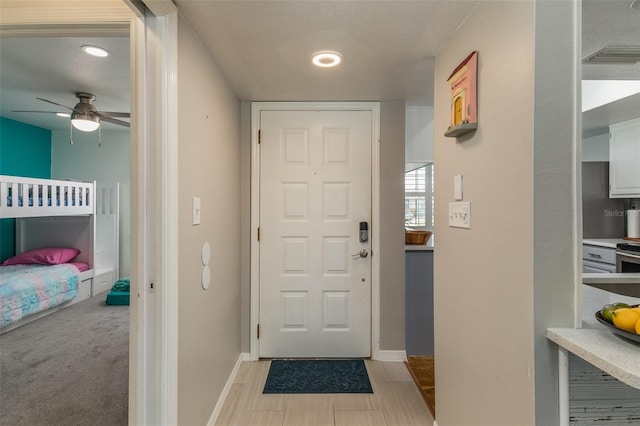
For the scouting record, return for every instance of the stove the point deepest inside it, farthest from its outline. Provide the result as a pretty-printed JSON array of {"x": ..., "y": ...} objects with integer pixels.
[{"x": 628, "y": 257}]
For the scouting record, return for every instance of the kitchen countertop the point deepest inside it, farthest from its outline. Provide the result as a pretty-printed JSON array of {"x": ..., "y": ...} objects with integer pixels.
[
  {"x": 627, "y": 284},
  {"x": 421, "y": 247},
  {"x": 603, "y": 242},
  {"x": 595, "y": 344},
  {"x": 418, "y": 247}
]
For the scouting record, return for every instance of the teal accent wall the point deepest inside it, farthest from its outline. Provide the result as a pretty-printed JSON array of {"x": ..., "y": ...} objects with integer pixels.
[{"x": 25, "y": 150}]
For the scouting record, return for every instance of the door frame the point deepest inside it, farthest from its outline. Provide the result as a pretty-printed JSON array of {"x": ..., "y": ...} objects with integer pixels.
[
  {"x": 256, "y": 109},
  {"x": 153, "y": 372}
]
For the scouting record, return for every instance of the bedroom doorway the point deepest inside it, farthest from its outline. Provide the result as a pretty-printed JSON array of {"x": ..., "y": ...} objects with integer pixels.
[
  {"x": 85, "y": 160},
  {"x": 94, "y": 336},
  {"x": 153, "y": 95}
]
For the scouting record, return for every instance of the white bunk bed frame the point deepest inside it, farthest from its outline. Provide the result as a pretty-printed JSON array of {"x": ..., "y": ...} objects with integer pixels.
[
  {"x": 32, "y": 197},
  {"x": 81, "y": 215}
]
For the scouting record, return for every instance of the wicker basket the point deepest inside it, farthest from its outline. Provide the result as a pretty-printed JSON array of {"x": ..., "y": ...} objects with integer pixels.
[{"x": 416, "y": 237}]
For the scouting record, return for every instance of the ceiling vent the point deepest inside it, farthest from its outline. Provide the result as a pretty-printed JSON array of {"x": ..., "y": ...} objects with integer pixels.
[{"x": 614, "y": 55}]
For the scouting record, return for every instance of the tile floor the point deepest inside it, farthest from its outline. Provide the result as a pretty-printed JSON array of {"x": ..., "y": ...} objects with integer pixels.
[{"x": 396, "y": 401}]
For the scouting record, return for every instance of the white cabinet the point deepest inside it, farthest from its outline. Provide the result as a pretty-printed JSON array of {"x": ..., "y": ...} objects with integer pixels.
[
  {"x": 84, "y": 290},
  {"x": 596, "y": 259},
  {"x": 624, "y": 157},
  {"x": 102, "y": 281}
]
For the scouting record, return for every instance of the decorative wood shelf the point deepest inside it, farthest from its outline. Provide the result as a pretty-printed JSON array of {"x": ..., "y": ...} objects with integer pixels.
[{"x": 461, "y": 129}]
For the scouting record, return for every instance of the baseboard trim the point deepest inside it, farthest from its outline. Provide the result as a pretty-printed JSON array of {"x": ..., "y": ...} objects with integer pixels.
[
  {"x": 246, "y": 356},
  {"x": 225, "y": 392},
  {"x": 391, "y": 356}
]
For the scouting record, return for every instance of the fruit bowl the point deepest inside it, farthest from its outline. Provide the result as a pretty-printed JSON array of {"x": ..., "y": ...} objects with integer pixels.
[{"x": 615, "y": 330}]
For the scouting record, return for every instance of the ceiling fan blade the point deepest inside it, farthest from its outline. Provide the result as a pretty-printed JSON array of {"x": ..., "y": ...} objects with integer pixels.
[
  {"x": 55, "y": 103},
  {"x": 103, "y": 114},
  {"x": 115, "y": 121},
  {"x": 43, "y": 112}
]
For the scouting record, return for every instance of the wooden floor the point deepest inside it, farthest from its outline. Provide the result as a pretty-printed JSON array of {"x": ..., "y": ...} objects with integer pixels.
[
  {"x": 423, "y": 371},
  {"x": 395, "y": 401}
]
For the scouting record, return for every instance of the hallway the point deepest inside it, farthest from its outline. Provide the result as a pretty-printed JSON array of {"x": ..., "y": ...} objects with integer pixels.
[{"x": 396, "y": 401}]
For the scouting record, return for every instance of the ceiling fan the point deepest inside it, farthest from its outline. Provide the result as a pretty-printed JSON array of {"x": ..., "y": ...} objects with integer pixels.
[{"x": 85, "y": 116}]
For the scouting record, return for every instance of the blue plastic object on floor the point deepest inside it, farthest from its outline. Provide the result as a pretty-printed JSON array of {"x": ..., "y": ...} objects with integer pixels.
[{"x": 117, "y": 298}]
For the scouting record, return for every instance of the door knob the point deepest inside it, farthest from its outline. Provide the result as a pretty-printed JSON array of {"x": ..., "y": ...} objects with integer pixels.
[{"x": 362, "y": 253}]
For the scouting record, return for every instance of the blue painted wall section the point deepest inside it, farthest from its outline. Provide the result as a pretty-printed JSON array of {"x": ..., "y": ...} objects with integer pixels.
[{"x": 25, "y": 150}]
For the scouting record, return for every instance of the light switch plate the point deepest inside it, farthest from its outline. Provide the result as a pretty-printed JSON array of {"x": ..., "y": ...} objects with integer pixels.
[
  {"x": 460, "y": 215},
  {"x": 195, "y": 211},
  {"x": 457, "y": 187}
]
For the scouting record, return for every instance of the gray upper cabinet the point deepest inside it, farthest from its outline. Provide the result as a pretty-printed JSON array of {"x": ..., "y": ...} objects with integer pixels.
[{"x": 624, "y": 157}]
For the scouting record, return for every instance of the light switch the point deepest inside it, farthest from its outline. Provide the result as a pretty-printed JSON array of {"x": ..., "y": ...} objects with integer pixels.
[
  {"x": 195, "y": 211},
  {"x": 457, "y": 188},
  {"x": 460, "y": 215}
]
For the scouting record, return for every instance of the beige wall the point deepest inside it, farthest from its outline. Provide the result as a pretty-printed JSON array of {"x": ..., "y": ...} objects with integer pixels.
[
  {"x": 391, "y": 256},
  {"x": 499, "y": 285},
  {"x": 483, "y": 277},
  {"x": 209, "y": 164}
]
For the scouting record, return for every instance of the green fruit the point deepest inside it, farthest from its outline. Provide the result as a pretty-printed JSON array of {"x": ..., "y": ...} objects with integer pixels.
[{"x": 607, "y": 310}]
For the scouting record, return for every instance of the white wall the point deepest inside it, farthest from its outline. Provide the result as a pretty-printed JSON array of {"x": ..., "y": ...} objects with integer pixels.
[
  {"x": 209, "y": 168},
  {"x": 557, "y": 249},
  {"x": 419, "y": 134},
  {"x": 85, "y": 160},
  {"x": 596, "y": 93},
  {"x": 596, "y": 148}
]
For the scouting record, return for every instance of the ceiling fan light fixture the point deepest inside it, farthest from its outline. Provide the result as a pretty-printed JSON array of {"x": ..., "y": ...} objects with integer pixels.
[
  {"x": 85, "y": 122},
  {"x": 326, "y": 59},
  {"x": 96, "y": 51}
]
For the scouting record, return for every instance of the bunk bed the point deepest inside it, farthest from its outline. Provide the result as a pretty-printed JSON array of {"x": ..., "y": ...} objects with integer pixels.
[{"x": 67, "y": 230}]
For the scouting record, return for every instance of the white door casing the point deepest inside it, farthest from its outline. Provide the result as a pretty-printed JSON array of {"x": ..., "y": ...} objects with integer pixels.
[
  {"x": 153, "y": 33},
  {"x": 315, "y": 189}
]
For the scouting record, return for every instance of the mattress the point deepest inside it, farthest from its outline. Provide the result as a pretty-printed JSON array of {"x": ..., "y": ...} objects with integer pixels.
[{"x": 29, "y": 289}]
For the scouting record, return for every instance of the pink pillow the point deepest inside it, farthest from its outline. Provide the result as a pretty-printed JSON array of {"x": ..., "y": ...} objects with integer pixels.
[
  {"x": 81, "y": 266},
  {"x": 43, "y": 256}
]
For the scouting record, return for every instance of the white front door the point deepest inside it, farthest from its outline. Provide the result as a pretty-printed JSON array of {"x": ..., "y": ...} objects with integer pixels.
[{"x": 315, "y": 190}]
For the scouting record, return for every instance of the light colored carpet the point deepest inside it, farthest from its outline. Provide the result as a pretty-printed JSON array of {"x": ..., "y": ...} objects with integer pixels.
[{"x": 69, "y": 368}]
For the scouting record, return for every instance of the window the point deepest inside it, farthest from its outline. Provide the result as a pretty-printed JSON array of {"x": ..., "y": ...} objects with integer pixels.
[{"x": 418, "y": 198}]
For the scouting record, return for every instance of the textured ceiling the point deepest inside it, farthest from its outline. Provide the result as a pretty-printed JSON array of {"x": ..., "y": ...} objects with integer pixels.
[
  {"x": 264, "y": 48},
  {"x": 55, "y": 68},
  {"x": 605, "y": 23}
]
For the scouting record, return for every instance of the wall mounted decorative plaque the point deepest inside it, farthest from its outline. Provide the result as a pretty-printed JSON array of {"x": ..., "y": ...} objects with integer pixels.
[{"x": 464, "y": 113}]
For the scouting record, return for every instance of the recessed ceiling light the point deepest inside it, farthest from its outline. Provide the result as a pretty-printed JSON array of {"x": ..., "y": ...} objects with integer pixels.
[
  {"x": 95, "y": 51},
  {"x": 326, "y": 59},
  {"x": 63, "y": 114}
]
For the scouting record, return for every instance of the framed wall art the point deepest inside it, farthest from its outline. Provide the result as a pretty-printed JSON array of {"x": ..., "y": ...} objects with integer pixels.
[{"x": 464, "y": 110}]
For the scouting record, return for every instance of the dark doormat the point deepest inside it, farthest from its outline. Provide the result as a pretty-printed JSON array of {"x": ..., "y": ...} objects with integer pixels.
[{"x": 318, "y": 376}]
